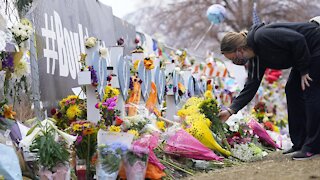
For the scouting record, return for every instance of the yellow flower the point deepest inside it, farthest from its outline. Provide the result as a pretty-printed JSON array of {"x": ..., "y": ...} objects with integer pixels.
[
  {"x": 77, "y": 127},
  {"x": 110, "y": 92},
  {"x": 69, "y": 98},
  {"x": 194, "y": 101},
  {"x": 135, "y": 65},
  {"x": 161, "y": 125},
  {"x": 86, "y": 125},
  {"x": 208, "y": 95},
  {"x": 114, "y": 128},
  {"x": 134, "y": 132},
  {"x": 73, "y": 111}
]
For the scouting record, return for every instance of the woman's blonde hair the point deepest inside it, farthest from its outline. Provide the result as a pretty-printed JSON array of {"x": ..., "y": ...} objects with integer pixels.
[{"x": 233, "y": 40}]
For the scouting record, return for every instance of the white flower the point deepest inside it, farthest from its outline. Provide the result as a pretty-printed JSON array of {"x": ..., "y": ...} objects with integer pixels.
[
  {"x": 103, "y": 52},
  {"x": 203, "y": 78},
  {"x": 177, "y": 69},
  {"x": 24, "y": 35},
  {"x": 21, "y": 68},
  {"x": 90, "y": 42}
]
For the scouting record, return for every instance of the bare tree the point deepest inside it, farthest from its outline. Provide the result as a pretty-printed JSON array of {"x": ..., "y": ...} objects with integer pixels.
[{"x": 183, "y": 22}]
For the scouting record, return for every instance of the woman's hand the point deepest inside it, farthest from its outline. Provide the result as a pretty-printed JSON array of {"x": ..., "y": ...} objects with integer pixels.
[
  {"x": 305, "y": 81},
  {"x": 224, "y": 115}
]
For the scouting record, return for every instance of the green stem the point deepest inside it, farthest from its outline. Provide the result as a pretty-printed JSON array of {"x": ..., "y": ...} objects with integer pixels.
[
  {"x": 173, "y": 165},
  {"x": 88, "y": 158}
]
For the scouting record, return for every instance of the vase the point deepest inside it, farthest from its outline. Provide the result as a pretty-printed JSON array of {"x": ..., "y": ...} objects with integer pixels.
[
  {"x": 60, "y": 172},
  {"x": 103, "y": 175},
  {"x": 81, "y": 169},
  {"x": 135, "y": 171}
]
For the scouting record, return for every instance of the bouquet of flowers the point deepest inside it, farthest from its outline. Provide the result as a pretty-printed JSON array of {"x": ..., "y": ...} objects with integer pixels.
[
  {"x": 248, "y": 152},
  {"x": 22, "y": 31},
  {"x": 136, "y": 160},
  {"x": 109, "y": 160},
  {"x": 86, "y": 143},
  {"x": 183, "y": 144},
  {"x": 198, "y": 125},
  {"x": 108, "y": 106},
  {"x": 15, "y": 64},
  {"x": 262, "y": 133},
  {"x": 70, "y": 109}
]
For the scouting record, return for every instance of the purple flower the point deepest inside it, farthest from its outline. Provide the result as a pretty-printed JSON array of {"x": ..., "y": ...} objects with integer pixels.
[
  {"x": 79, "y": 139},
  {"x": 110, "y": 108},
  {"x": 8, "y": 62},
  {"x": 94, "y": 78},
  {"x": 174, "y": 89},
  {"x": 131, "y": 84},
  {"x": 112, "y": 104}
]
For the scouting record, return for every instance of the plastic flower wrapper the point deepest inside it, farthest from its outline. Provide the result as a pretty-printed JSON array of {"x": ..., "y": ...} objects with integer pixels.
[
  {"x": 136, "y": 160},
  {"x": 109, "y": 156},
  {"x": 153, "y": 143},
  {"x": 200, "y": 130},
  {"x": 262, "y": 133},
  {"x": 183, "y": 144},
  {"x": 9, "y": 163}
]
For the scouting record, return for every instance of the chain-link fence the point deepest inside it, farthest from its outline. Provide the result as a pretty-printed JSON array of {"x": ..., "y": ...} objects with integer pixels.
[{"x": 11, "y": 10}]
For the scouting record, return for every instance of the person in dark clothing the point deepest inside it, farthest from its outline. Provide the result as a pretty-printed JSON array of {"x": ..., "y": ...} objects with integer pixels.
[{"x": 282, "y": 46}]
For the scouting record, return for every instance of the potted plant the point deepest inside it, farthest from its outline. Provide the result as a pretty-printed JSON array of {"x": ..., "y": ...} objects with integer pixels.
[{"x": 52, "y": 156}]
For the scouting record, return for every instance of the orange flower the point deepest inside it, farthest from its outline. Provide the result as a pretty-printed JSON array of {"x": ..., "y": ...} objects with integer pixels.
[
  {"x": 8, "y": 112},
  {"x": 88, "y": 131},
  {"x": 94, "y": 159}
]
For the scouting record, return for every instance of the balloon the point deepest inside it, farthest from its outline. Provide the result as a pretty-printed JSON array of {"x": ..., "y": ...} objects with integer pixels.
[{"x": 216, "y": 13}]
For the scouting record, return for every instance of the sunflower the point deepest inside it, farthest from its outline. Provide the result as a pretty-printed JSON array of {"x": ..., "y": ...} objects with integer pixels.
[
  {"x": 77, "y": 127},
  {"x": 73, "y": 111},
  {"x": 88, "y": 131}
]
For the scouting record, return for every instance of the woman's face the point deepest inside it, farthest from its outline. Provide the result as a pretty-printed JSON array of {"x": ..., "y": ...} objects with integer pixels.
[{"x": 238, "y": 57}]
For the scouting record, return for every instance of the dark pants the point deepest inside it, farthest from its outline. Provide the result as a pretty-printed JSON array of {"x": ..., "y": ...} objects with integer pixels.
[{"x": 304, "y": 109}]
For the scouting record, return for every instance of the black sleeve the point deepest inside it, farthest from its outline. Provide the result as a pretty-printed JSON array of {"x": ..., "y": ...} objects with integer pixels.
[
  {"x": 255, "y": 75},
  {"x": 290, "y": 40}
]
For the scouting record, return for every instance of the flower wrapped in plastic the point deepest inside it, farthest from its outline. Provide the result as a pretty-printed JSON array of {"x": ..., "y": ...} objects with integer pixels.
[
  {"x": 136, "y": 160},
  {"x": 183, "y": 144},
  {"x": 262, "y": 133},
  {"x": 199, "y": 129},
  {"x": 109, "y": 160}
]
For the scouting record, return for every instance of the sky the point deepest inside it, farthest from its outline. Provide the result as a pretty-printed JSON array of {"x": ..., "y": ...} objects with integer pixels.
[{"x": 121, "y": 7}]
